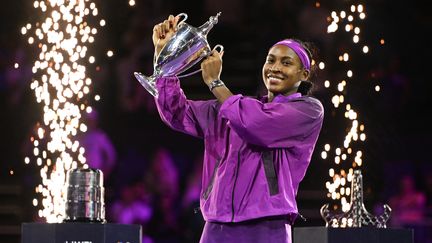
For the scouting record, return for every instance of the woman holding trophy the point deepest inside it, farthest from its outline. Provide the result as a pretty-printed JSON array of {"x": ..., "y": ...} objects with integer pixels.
[{"x": 256, "y": 150}]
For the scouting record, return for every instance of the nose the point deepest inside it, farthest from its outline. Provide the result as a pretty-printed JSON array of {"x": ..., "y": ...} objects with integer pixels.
[{"x": 275, "y": 68}]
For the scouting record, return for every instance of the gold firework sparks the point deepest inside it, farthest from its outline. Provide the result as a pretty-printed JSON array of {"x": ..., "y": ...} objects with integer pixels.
[
  {"x": 345, "y": 153},
  {"x": 61, "y": 86}
]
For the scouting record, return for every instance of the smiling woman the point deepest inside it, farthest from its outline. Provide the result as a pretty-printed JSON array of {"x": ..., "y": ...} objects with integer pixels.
[
  {"x": 287, "y": 68},
  {"x": 256, "y": 151}
]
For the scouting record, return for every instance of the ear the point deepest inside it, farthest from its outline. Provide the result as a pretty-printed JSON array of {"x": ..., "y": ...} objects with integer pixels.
[{"x": 305, "y": 74}]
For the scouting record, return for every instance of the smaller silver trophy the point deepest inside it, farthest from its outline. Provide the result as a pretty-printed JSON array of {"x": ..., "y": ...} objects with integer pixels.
[
  {"x": 357, "y": 215},
  {"x": 85, "y": 196},
  {"x": 187, "y": 47}
]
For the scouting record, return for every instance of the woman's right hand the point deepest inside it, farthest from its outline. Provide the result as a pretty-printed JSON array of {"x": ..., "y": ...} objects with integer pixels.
[{"x": 163, "y": 32}]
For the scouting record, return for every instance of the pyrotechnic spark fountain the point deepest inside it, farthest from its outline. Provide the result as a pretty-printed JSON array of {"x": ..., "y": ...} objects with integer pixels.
[
  {"x": 61, "y": 86},
  {"x": 347, "y": 153}
]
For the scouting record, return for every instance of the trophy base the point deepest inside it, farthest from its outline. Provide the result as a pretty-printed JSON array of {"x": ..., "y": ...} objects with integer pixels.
[{"x": 148, "y": 83}]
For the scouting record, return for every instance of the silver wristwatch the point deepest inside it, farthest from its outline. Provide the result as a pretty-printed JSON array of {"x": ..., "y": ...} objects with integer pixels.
[{"x": 215, "y": 83}]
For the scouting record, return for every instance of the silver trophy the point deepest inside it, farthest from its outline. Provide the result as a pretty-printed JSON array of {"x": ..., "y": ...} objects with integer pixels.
[
  {"x": 187, "y": 47},
  {"x": 85, "y": 196}
]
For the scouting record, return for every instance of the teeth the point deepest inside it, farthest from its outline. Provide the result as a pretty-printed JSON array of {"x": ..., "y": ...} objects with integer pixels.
[{"x": 274, "y": 79}]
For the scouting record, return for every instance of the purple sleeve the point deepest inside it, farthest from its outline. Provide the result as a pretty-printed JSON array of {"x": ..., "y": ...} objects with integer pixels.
[
  {"x": 274, "y": 125},
  {"x": 190, "y": 117}
]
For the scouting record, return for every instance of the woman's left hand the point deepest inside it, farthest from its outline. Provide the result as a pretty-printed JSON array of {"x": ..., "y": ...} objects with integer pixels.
[{"x": 212, "y": 67}]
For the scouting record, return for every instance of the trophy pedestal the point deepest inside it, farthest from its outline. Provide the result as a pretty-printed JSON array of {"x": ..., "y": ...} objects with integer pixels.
[
  {"x": 352, "y": 235},
  {"x": 80, "y": 232}
]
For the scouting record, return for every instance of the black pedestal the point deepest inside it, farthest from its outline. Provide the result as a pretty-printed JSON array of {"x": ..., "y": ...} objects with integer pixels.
[
  {"x": 351, "y": 235},
  {"x": 80, "y": 233}
]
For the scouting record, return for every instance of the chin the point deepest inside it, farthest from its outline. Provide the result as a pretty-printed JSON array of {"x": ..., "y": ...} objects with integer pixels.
[{"x": 274, "y": 90}]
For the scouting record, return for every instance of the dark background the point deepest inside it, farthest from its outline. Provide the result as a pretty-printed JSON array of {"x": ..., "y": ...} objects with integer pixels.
[{"x": 396, "y": 118}]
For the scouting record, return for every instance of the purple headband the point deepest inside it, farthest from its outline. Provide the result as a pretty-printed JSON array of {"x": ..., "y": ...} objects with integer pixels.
[{"x": 299, "y": 50}]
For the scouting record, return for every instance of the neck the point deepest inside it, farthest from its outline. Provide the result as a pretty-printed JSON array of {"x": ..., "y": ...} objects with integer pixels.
[{"x": 270, "y": 96}]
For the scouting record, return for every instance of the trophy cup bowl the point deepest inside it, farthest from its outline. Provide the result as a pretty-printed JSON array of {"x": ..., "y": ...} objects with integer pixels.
[{"x": 187, "y": 47}]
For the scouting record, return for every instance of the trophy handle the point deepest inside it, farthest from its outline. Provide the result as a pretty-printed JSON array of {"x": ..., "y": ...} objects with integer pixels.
[
  {"x": 184, "y": 15},
  {"x": 203, "y": 56},
  {"x": 220, "y": 46}
]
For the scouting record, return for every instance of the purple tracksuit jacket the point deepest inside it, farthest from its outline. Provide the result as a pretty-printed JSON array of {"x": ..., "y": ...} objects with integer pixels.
[{"x": 256, "y": 153}]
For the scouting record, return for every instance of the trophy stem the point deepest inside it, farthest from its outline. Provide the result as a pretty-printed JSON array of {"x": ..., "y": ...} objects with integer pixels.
[{"x": 148, "y": 83}]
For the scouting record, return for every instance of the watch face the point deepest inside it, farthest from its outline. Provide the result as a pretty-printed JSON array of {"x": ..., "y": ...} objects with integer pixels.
[{"x": 216, "y": 83}]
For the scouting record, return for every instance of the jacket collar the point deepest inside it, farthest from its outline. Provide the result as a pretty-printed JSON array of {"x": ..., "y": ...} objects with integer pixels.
[{"x": 282, "y": 98}]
